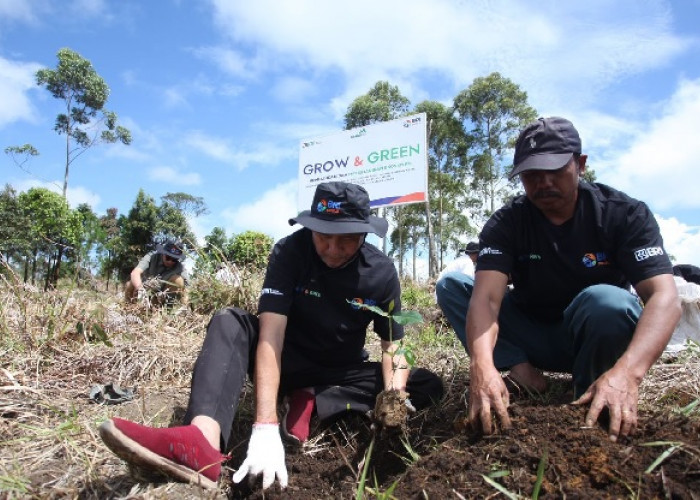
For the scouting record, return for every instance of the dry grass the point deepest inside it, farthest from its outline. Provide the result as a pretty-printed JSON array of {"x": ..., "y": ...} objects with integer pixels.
[{"x": 55, "y": 346}]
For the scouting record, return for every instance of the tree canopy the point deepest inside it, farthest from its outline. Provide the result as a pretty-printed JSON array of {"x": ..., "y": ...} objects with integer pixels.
[{"x": 84, "y": 94}]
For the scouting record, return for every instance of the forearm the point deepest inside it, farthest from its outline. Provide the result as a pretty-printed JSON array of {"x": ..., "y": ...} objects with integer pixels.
[
  {"x": 136, "y": 278},
  {"x": 267, "y": 381},
  {"x": 395, "y": 369},
  {"x": 268, "y": 362},
  {"x": 482, "y": 332},
  {"x": 654, "y": 329}
]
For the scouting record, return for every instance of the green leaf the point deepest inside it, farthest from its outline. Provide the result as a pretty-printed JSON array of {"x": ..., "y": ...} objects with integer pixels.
[
  {"x": 374, "y": 309},
  {"x": 410, "y": 358},
  {"x": 407, "y": 317}
]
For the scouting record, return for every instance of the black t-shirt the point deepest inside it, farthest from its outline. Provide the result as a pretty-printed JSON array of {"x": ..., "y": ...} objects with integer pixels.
[
  {"x": 321, "y": 325},
  {"x": 612, "y": 239}
]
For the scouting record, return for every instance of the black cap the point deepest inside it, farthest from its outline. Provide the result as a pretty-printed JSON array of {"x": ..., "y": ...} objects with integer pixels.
[
  {"x": 341, "y": 208},
  {"x": 546, "y": 144},
  {"x": 472, "y": 247}
]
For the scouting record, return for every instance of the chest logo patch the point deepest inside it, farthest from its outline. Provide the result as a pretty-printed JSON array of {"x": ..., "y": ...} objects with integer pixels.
[
  {"x": 306, "y": 291},
  {"x": 595, "y": 259},
  {"x": 356, "y": 302}
]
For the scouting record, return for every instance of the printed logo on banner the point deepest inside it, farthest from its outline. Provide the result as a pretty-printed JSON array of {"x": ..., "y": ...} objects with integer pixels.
[
  {"x": 389, "y": 159},
  {"x": 411, "y": 121}
]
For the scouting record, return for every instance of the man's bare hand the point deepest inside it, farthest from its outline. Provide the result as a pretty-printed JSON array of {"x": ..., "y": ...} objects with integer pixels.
[
  {"x": 617, "y": 390},
  {"x": 487, "y": 392}
]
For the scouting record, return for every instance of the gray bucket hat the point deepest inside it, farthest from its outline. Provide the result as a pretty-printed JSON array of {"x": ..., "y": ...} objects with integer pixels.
[
  {"x": 172, "y": 249},
  {"x": 341, "y": 208}
]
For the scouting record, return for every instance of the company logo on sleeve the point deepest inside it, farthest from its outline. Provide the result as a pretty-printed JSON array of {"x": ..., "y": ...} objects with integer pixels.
[
  {"x": 645, "y": 253},
  {"x": 490, "y": 251},
  {"x": 270, "y": 291}
]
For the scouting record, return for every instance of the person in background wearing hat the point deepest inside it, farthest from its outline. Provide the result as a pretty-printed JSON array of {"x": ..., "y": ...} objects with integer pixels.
[
  {"x": 460, "y": 270},
  {"x": 465, "y": 261},
  {"x": 164, "y": 263},
  {"x": 572, "y": 249},
  {"x": 306, "y": 343}
]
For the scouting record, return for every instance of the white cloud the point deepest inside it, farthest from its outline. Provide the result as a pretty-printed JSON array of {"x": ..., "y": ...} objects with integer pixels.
[
  {"x": 580, "y": 48},
  {"x": 681, "y": 241},
  {"x": 262, "y": 153},
  {"x": 89, "y": 8},
  {"x": 268, "y": 214},
  {"x": 292, "y": 89},
  {"x": 660, "y": 164},
  {"x": 74, "y": 195},
  {"x": 174, "y": 97},
  {"x": 17, "y": 10},
  {"x": 213, "y": 147},
  {"x": 230, "y": 61},
  {"x": 78, "y": 195},
  {"x": 173, "y": 176},
  {"x": 16, "y": 79}
]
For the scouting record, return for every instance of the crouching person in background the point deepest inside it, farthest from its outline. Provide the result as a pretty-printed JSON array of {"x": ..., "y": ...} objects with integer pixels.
[{"x": 160, "y": 271}]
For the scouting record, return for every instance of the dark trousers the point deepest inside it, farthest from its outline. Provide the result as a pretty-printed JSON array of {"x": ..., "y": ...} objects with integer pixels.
[
  {"x": 228, "y": 355},
  {"x": 595, "y": 330}
]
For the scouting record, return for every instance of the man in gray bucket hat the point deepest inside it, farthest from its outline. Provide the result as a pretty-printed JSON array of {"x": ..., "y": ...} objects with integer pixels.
[
  {"x": 164, "y": 264},
  {"x": 304, "y": 347}
]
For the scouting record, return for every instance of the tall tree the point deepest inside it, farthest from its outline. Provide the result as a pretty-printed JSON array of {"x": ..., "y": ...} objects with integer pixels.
[
  {"x": 92, "y": 236},
  {"x": 139, "y": 229},
  {"x": 14, "y": 222},
  {"x": 382, "y": 103},
  {"x": 173, "y": 215},
  {"x": 54, "y": 227},
  {"x": 113, "y": 243},
  {"x": 493, "y": 110},
  {"x": 84, "y": 94},
  {"x": 447, "y": 166},
  {"x": 216, "y": 249},
  {"x": 21, "y": 154},
  {"x": 186, "y": 203}
]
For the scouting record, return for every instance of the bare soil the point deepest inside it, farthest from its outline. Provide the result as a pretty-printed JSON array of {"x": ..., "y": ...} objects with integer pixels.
[
  {"x": 49, "y": 446},
  {"x": 455, "y": 462}
]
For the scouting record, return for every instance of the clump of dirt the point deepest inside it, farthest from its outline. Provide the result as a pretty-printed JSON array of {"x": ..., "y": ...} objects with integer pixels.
[{"x": 390, "y": 410}]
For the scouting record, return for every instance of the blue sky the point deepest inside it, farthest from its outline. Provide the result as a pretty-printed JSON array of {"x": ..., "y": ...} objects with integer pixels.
[{"x": 219, "y": 93}]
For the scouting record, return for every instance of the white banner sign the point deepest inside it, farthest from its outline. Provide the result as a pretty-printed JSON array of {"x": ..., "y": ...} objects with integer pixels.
[{"x": 389, "y": 159}]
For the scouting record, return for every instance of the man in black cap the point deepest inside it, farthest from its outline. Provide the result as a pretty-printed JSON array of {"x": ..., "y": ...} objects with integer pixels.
[
  {"x": 306, "y": 343},
  {"x": 472, "y": 251},
  {"x": 572, "y": 249},
  {"x": 165, "y": 264}
]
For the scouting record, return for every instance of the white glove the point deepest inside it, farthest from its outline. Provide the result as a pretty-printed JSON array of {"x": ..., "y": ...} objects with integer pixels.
[
  {"x": 266, "y": 455},
  {"x": 409, "y": 405}
]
